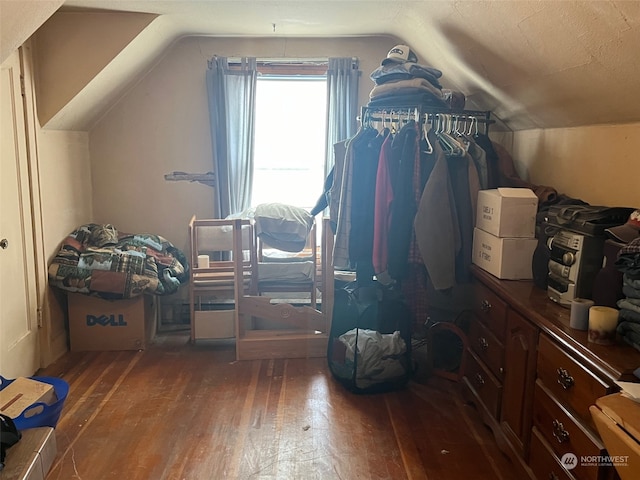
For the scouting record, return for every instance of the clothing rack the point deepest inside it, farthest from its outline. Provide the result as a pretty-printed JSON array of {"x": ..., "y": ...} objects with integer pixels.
[{"x": 422, "y": 114}]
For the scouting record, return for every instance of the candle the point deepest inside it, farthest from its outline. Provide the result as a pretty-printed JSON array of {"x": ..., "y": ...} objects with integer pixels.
[
  {"x": 203, "y": 261},
  {"x": 579, "y": 318},
  {"x": 602, "y": 324}
]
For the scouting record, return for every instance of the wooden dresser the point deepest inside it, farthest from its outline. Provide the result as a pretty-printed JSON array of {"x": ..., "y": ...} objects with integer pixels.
[{"x": 533, "y": 379}]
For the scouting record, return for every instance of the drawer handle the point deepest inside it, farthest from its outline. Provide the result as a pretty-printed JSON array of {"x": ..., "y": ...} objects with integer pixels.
[
  {"x": 479, "y": 380},
  {"x": 485, "y": 306},
  {"x": 559, "y": 432},
  {"x": 565, "y": 379},
  {"x": 553, "y": 476},
  {"x": 483, "y": 343}
]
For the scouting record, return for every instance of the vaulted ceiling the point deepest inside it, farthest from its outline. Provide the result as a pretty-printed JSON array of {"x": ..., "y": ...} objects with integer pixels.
[{"x": 536, "y": 64}]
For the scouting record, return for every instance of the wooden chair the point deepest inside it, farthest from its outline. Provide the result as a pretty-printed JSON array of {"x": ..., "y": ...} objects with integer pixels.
[
  {"x": 282, "y": 272},
  {"x": 327, "y": 281},
  {"x": 266, "y": 328},
  {"x": 213, "y": 289}
]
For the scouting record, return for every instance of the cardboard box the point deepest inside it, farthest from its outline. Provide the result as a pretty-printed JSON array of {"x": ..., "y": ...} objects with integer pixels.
[
  {"x": 98, "y": 324},
  {"x": 506, "y": 258},
  {"x": 507, "y": 212},
  {"x": 24, "y": 392}
]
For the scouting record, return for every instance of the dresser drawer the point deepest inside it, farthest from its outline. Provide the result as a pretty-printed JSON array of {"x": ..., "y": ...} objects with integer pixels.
[
  {"x": 543, "y": 462},
  {"x": 487, "y": 347},
  {"x": 568, "y": 381},
  {"x": 486, "y": 386},
  {"x": 566, "y": 435},
  {"x": 491, "y": 310}
]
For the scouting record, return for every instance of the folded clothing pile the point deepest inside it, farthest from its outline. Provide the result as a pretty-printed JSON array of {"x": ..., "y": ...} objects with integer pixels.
[
  {"x": 401, "y": 81},
  {"x": 628, "y": 263}
]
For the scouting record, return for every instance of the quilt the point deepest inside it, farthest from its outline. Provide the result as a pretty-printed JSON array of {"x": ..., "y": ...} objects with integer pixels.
[{"x": 96, "y": 259}]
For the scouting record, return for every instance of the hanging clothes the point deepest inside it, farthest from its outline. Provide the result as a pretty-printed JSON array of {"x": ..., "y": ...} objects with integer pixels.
[
  {"x": 479, "y": 157},
  {"x": 404, "y": 203},
  {"x": 459, "y": 175},
  {"x": 436, "y": 223},
  {"x": 404, "y": 207},
  {"x": 363, "y": 191},
  {"x": 355, "y": 146},
  {"x": 474, "y": 186},
  {"x": 415, "y": 283},
  {"x": 382, "y": 214},
  {"x": 334, "y": 191},
  {"x": 493, "y": 169}
]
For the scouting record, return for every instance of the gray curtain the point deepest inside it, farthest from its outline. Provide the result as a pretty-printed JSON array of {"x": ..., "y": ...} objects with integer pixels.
[
  {"x": 232, "y": 101},
  {"x": 342, "y": 103}
]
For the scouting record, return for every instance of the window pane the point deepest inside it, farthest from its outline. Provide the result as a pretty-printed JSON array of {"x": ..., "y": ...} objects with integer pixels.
[{"x": 289, "y": 141}]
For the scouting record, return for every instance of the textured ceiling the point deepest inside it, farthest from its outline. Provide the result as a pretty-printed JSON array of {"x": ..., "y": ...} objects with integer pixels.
[{"x": 536, "y": 64}]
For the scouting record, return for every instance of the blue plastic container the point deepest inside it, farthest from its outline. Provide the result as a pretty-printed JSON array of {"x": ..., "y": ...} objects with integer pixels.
[{"x": 40, "y": 414}]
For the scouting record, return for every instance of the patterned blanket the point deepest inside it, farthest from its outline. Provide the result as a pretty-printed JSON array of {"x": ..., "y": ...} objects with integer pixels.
[{"x": 98, "y": 260}]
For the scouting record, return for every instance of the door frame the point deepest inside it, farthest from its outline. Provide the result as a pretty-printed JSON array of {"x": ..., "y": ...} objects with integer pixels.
[{"x": 33, "y": 165}]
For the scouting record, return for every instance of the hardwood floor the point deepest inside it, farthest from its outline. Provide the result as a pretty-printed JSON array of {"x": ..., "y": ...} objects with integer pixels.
[{"x": 179, "y": 411}]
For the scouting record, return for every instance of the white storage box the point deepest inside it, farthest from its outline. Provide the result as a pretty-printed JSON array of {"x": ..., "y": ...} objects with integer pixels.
[
  {"x": 210, "y": 324},
  {"x": 507, "y": 212},
  {"x": 506, "y": 258}
]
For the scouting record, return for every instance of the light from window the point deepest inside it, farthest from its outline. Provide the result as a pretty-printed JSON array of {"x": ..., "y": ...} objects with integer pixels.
[{"x": 289, "y": 144}]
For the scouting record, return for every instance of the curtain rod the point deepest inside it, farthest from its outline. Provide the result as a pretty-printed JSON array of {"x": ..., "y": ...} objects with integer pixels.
[
  {"x": 289, "y": 60},
  {"x": 284, "y": 60}
]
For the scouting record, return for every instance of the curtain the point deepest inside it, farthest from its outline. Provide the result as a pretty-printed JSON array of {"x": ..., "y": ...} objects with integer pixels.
[
  {"x": 232, "y": 100},
  {"x": 342, "y": 104}
]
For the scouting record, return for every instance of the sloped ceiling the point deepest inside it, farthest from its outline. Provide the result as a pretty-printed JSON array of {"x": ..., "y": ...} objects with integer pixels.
[
  {"x": 19, "y": 19},
  {"x": 535, "y": 64}
]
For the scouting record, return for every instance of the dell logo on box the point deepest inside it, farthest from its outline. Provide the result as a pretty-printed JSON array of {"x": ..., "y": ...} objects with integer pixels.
[{"x": 106, "y": 320}]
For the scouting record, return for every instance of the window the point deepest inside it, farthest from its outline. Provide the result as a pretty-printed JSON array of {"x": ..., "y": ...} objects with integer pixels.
[{"x": 289, "y": 149}]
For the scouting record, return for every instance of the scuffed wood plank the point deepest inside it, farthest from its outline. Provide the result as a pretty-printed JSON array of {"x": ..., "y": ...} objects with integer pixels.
[{"x": 179, "y": 410}]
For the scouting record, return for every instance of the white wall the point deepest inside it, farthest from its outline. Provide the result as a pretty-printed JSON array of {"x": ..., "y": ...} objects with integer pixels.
[
  {"x": 162, "y": 125},
  {"x": 598, "y": 164},
  {"x": 65, "y": 192}
]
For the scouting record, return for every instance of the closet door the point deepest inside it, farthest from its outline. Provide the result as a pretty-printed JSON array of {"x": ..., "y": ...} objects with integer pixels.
[{"x": 19, "y": 350}]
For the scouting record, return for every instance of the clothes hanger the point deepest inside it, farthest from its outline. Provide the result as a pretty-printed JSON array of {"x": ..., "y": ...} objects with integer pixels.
[
  {"x": 456, "y": 136},
  {"x": 440, "y": 130},
  {"x": 472, "y": 120},
  {"x": 438, "y": 122},
  {"x": 366, "y": 119},
  {"x": 426, "y": 126},
  {"x": 396, "y": 122},
  {"x": 385, "y": 129},
  {"x": 450, "y": 144},
  {"x": 463, "y": 123}
]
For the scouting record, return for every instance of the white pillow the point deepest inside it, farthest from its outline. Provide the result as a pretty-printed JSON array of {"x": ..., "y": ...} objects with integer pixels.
[{"x": 283, "y": 226}]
